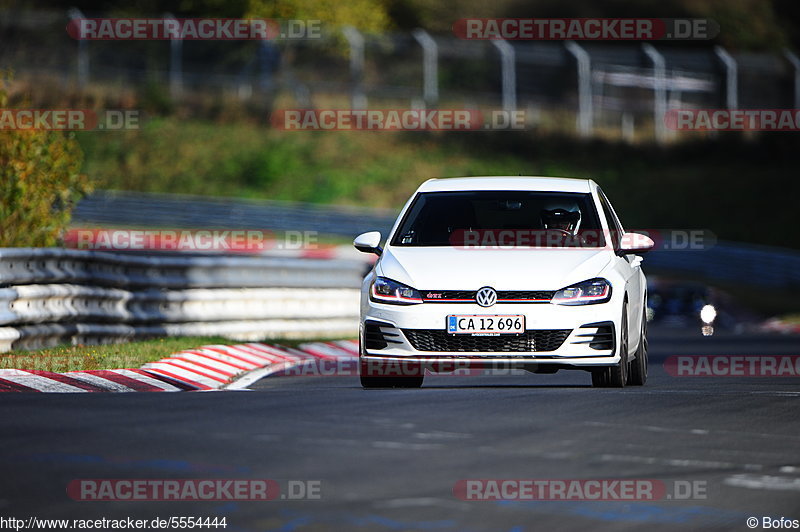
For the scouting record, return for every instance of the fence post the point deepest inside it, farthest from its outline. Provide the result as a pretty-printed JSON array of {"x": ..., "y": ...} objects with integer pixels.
[
  {"x": 269, "y": 59},
  {"x": 628, "y": 127},
  {"x": 358, "y": 100},
  {"x": 175, "y": 62},
  {"x": 731, "y": 84},
  {"x": 430, "y": 67},
  {"x": 83, "y": 51},
  {"x": 585, "y": 111},
  {"x": 660, "y": 92},
  {"x": 509, "y": 73},
  {"x": 795, "y": 61}
]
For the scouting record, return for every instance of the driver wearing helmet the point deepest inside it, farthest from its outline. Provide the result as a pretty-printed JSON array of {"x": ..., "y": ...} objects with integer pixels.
[{"x": 567, "y": 220}]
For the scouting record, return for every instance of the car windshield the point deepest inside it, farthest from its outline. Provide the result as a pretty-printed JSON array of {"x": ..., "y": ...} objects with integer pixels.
[{"x": 501, "y": 218}]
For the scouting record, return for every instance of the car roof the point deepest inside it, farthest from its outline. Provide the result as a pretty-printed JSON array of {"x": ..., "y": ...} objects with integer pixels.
[{"x": 538, "y": 184}]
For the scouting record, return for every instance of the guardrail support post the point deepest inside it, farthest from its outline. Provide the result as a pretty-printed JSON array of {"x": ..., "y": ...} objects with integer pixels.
[
  {"x": 83, "y": 51},
  {"x": 731, "y": 75},
  {"x": 509, "y": 73},
  {"x": 430, "y": 67},
  {"x": 358, "y": 100},
  {"x": 175, "y": 62},
  {"x": 268, "y": 60},
  {"x": 795, "y": 61},
  {"x": 585, "y": 111},
  {"x": 659, "y": 91}
]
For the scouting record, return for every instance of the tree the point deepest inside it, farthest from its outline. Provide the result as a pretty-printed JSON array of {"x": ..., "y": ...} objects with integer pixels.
[
  {"x": 40, "y": 181},
  {"x": 365, "y": 15}
]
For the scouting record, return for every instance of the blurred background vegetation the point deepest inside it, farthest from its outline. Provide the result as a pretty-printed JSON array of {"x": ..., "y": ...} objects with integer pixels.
[{"x": 40, "y": 180}]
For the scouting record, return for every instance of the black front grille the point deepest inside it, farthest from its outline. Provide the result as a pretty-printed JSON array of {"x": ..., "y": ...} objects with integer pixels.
[
  {"x": 446, "y": 295},
  {"x": 545, "y": 295},
  {"x": 529, "y": 341},
  {"x": 432, "y": 296}
]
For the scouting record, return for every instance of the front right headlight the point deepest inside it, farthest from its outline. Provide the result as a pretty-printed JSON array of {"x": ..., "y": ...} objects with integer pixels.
[
  {"x": 385, "y": 290},
  {"x": 586, "y": 293}
]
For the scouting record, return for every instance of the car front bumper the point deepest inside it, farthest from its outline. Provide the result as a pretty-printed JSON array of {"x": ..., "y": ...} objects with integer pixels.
[{"x": 583, "y": 328}]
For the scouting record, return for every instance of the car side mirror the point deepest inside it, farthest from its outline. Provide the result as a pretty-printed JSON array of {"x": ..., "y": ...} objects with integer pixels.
[
  {"x": 635, "y": 243},
  {"x": 369, "y": 242}
]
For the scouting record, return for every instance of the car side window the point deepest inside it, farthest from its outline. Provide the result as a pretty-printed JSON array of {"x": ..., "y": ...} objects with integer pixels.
[{"x": 614, "y": 227}]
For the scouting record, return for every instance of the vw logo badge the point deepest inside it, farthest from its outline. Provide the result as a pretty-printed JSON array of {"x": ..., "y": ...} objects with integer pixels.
[{"x": 486, "y": 297}]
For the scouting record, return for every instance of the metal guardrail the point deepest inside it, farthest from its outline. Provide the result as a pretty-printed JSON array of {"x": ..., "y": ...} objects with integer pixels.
[
  {"x": 173, "y": 211},
  {"x": 100, "y": 268},
  {"x": 65, "y": 303},
  {"x": 50, "y": 296}
]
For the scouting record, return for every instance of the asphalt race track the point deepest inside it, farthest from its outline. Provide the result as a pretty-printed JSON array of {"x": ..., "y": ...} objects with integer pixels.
[{"x": 389, "y": 459}]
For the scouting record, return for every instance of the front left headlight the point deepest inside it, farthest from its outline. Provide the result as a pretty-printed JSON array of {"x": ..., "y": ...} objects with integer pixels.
[
  {"x": 586, "y": 293},
  {"x": 385, "y": 290}
]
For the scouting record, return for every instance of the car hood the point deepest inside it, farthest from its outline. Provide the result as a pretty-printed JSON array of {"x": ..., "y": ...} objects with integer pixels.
[{"x": 441, "y": 268}]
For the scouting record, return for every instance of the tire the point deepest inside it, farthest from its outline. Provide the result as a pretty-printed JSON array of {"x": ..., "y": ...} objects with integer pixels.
[
  {"x": 370, "y": 382},
  {"x": 615, "y": 376},
  {"x": 637, "y": 375},
  {"x": 600, "y": 378}
]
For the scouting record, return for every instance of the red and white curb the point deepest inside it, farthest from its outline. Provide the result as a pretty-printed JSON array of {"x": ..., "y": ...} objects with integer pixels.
[
  {"x": 113, "y": 380},
  {"x": 210, "y": 367}
]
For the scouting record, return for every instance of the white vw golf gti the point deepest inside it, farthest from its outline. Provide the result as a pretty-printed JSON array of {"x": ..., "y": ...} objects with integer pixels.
[{"x": 512, "y": 272}]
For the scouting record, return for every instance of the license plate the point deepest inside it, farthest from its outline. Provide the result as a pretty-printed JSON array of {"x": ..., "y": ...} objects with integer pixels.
[{"x": 482, "y": 325}]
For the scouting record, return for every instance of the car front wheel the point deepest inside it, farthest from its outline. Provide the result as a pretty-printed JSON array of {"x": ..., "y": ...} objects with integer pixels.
[
  {"x": 638, "y": 370},
  {"x": 615, "y": 376}
]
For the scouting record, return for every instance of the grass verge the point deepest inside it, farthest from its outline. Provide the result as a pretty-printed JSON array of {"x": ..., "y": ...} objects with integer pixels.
[
  {"x": 112, "y": 356},
  {"x": 92, "y": 357}
]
